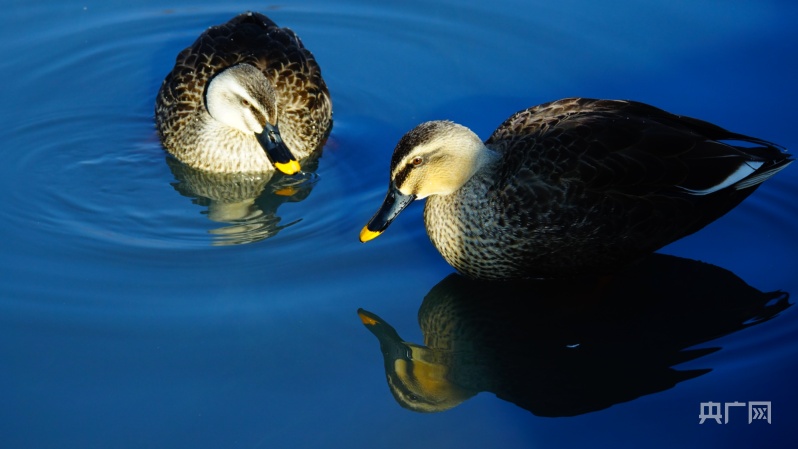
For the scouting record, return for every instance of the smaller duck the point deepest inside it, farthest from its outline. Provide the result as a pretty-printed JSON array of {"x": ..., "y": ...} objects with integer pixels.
[
  {"x": 577, "y": 186},
  {"x": 245, "y": 97}
]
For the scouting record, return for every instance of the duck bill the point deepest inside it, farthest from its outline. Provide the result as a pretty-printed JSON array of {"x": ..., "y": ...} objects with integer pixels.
[
  {"x": 395, "y": 202},
  {"x": 276, "y": 151},
  {"x": 392, "y": 345}
]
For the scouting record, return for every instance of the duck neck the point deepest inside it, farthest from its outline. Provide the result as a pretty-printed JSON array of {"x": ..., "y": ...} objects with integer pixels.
[
  {"x": 484, "y": 162},
  {"x": 487, "y": 157}
]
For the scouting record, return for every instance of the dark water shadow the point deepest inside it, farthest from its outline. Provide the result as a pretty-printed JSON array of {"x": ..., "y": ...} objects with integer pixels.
[
  {"x": 565, "y": 349},
  {"x": 244, "y": 204}
]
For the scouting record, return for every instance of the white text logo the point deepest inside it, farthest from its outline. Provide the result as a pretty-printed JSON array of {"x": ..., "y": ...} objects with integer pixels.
[{"x": 757, "y": 411}]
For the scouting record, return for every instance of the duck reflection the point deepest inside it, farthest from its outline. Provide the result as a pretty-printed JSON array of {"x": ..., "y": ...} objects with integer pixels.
[
  {"x": 245, "y": 203},
  {"x": 563, "y": 350}
]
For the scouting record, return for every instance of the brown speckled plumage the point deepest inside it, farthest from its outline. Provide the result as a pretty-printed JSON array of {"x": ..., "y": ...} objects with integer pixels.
[
  {"x": 582, "y": 186},
  {"x": 304, "y": 112},
  {"x": 567, "y": 348}
]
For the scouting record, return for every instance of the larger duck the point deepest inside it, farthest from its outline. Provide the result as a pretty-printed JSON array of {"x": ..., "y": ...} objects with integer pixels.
[
  {"x": 576, "y": 186},
  {"x": 246, "y": 96}
]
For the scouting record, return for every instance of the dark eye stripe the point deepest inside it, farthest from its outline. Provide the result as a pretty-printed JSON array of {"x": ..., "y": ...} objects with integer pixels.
[
  {"x": 403, "y": 392},
  {"x": 257, "y": 114},
  {"x": 401, "y": 175}
]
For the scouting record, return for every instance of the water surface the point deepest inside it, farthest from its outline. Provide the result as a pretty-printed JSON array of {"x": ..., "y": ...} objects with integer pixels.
[{"x": 145, "y": 306}]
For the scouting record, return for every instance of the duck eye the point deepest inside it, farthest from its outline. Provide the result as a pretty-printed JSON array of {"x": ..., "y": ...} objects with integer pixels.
[
  {"x": 244, "y": 103},
  {"x": 417, "y": 161}
]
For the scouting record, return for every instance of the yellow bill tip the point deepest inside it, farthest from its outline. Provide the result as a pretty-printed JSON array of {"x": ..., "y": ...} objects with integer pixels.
[
  {"x": 289, "y": 168},
  {"x": 286, "y": 191},
  {"x": 367, "y": 320},
  {"x": 366, "y": 234}
]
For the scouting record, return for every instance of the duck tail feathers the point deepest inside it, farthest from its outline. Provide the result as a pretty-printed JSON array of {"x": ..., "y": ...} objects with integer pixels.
[{"x": 758, "y": 177}]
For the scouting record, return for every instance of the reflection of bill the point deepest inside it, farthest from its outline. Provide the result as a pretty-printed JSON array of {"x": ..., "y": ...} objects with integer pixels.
[
  {"x": 564, "y": 349},
  {"x": 757, "y": 410},
  {"x": 245, "y": 203}
]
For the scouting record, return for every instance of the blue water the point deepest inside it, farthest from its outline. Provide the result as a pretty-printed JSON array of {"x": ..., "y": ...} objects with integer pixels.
[{"x": 138, "y": 310}]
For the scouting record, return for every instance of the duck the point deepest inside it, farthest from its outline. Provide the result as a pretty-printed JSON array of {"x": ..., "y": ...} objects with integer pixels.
[
  {"x": 567, "y": 348},
  {"x": 573, "y": 187},
  {"x": 245, "y": 97}
]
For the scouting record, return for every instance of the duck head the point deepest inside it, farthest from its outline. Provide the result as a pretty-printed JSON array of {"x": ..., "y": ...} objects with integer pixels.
[
  {"x": 417, "y": 376},
  {"x": 243, "y": 98},
  {"x": 434, "y": 158}
]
